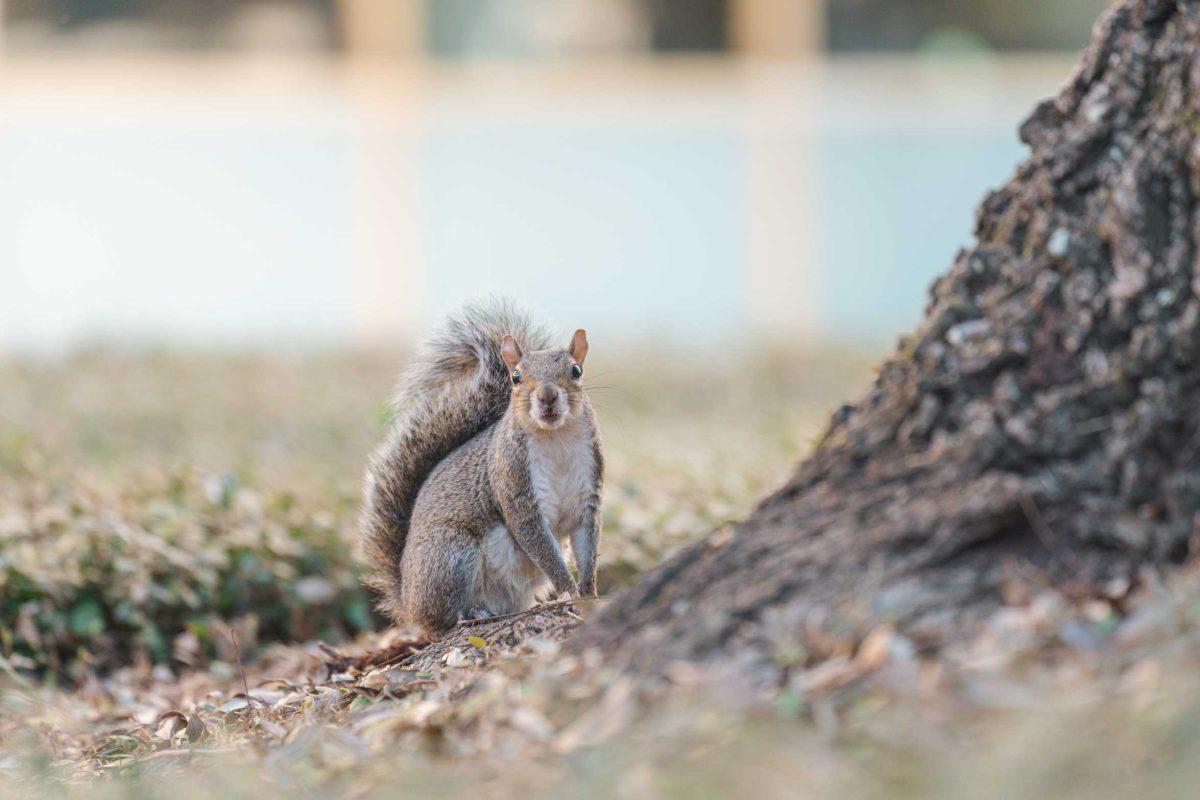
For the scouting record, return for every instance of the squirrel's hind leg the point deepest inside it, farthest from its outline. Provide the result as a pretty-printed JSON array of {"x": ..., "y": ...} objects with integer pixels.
[{"x": 441, "y": 574}]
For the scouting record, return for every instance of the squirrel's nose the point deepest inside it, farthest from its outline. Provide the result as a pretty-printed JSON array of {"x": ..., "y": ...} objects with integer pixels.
[{"x": 548, "y": 395}]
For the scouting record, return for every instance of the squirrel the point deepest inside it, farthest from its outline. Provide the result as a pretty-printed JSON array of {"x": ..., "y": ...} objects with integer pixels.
[{"x": 493, "y": 462}]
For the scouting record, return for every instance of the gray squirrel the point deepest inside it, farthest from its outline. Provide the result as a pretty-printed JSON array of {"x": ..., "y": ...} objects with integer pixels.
[{"x": 493, "y": 462}]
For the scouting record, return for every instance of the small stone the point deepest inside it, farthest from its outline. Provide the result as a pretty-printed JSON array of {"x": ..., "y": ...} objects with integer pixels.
[
  {"x": 314, "y": 590},
  {"x": 875, "y": 650},
  {"x": 963, "y": 332},
  {"x": 1045, "y": 607},
  {"x": 1075, "y": 635},
  {"x": 1145, "y": 625},
  {"x": 1118, "y": 587},
  {"x": 374, "y": 680},
  {"x": 1059, "y": 240}
]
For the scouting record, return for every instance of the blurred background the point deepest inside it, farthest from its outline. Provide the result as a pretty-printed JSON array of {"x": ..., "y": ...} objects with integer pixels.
[
  {"x": 338, "y": 173},
  {"x": 223, "y": 222}
]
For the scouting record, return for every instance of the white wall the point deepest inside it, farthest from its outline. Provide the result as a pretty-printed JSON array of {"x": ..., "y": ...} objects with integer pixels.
[{"x": 243, "y": 203}]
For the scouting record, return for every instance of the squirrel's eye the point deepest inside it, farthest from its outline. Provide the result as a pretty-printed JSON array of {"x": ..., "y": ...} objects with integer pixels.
[
  {"x": 576, "y": 371},
  {"x": 516, "y": 376}
]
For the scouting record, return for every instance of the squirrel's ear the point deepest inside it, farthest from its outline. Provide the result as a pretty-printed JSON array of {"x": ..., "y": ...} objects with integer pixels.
[
  {"x": 510, "y": 351},
  {"x": 578, "y": 348}
]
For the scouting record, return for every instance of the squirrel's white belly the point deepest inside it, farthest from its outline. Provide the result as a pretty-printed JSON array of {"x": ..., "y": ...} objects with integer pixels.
[
  {"x": 562, "y": 470},
  {"x": 508, "y": 580}
]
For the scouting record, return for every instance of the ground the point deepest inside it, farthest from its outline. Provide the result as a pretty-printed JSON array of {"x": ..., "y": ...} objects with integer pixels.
[{"x": 181, "y": 609}]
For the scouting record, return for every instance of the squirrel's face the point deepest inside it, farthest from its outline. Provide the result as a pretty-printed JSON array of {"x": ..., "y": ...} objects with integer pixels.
[{"x": 547, "y": 384}]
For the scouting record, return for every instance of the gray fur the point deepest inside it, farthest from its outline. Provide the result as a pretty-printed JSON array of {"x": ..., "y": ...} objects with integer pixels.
[{"x": 454, "y": 474}]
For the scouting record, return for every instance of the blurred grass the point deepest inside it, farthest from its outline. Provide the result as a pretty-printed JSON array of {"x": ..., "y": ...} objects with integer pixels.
[{"x": 148, "y": 500}]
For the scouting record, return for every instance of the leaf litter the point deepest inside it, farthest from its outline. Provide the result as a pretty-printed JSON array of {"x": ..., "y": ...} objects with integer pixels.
[{"x": 94, "y": 700}]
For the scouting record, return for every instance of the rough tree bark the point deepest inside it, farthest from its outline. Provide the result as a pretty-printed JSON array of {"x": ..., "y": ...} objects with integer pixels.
[{"x": 1042, "y": 422}]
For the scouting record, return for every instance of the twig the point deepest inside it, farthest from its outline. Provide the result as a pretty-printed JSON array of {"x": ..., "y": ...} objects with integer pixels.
[
  {"x": 237, "y": 654},
  {"x": 395, "y": 661},
  {"x": 340, "y": 662},
  {"x": 507, "y": 619},
  {"x": 409, "y": 688},
  {"x": 8, "y": 669},
  {"x": 1033, "y": 515},
  {"x": 512, "y": 619},
  {"x": 185, "y": 752},
  {"x": 529, "y": 612},
  {"x": 560, "y": 626},
  {"x": 1190, "y": 450}
]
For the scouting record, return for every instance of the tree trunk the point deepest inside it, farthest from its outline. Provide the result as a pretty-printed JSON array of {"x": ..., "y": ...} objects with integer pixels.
[{"x": 1042, "y": 424}]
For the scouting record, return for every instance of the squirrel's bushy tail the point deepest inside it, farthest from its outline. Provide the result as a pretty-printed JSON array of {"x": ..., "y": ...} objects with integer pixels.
[{"x": 456, "y": 387}]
